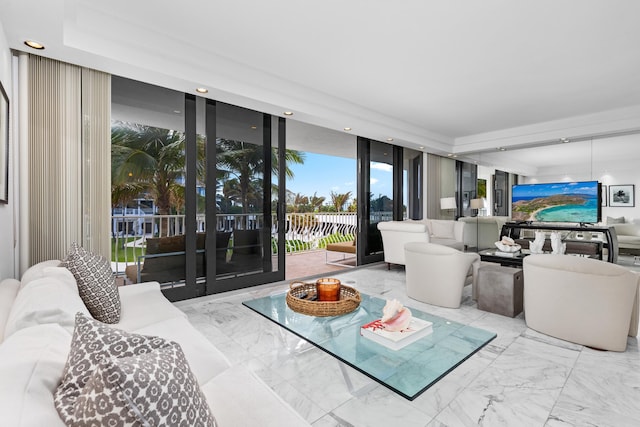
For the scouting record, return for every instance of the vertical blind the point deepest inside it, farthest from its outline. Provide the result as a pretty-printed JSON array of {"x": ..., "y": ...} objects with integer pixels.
[{"x": 69, "y": 159}]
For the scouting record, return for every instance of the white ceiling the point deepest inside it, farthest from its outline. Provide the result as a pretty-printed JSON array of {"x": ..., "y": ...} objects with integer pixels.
[{"x": 451, "y": 76}]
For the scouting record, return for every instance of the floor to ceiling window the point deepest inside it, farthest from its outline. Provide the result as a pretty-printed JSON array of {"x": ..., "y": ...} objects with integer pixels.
[{"x": 168, "y": 149}]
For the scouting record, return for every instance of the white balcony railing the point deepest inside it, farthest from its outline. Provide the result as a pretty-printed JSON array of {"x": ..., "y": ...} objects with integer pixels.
[{"x": 303, "y": 232}]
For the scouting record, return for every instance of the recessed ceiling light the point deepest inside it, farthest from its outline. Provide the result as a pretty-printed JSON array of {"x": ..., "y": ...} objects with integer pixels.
[
  {"x": 450, "y": 155},
  {"x": 254, "y": 127},
  {"x": 177, "y": 111},
  {"x": 34, "y": 44},
  {"x": 347, "y": 129},
  {"x": 564, "y": 140},
  {"x": 389, "y": 139},
  {"x": 421, "y": 147},
  {"x": 288, "y": 113},
  {"x": 202, "y": 90},
  {"x": 455, "y": 156},
  {"x": 501, "y": 149}
]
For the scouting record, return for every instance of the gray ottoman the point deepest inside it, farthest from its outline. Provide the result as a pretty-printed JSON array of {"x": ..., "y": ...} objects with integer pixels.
[{"x": 500, "y": 289}]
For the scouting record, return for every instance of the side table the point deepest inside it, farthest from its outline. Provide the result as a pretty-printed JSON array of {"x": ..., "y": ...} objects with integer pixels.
[{"x": 500, "y": 290}]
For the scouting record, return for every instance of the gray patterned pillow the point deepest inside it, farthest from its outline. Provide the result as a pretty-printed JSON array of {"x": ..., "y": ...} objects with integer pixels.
[
  {"x": 97, "y": 351},
  {"x": 96, "y": 283},
  {"x": 155, "y": 389}
]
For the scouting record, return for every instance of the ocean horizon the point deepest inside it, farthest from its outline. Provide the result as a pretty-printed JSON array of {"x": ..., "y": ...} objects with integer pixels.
[{"x": 571, "y": 213}]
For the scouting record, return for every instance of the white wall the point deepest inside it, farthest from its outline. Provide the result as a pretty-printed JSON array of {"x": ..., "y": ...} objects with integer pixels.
[
  {"x": 7, "y": 235},
  {"x": 621, "y": 171}
]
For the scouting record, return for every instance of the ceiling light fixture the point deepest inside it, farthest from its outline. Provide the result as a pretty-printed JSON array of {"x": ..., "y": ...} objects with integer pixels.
[
  {"x": 34, "y": 44},
  {"x": 202, "y": 90},
  {"x": 421, "y": 147},
  {"x": 288, "y": 113},
  {"x": 501, "y": 149},
  {"x": 347, "y": 129},
  {"x": 450, "y": 155},
  {"x": 254, "y": 127},
  {"x": 390, "y": 139},
  {"x": 564, "y": 140}
]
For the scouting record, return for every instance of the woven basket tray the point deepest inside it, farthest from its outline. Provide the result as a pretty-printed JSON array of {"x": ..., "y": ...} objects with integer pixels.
[{"x": 300, "y": 292}]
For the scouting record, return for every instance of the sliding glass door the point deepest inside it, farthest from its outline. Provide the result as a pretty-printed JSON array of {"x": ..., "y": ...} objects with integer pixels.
[{"x": 245, "y": 221}]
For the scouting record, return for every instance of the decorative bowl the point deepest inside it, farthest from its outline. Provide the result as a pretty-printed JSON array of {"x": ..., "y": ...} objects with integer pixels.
[{"x": 507, "y": 248}]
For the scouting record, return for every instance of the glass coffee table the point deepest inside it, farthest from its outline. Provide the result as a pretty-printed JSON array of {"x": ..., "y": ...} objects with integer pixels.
[{"x": 408, "y": 371}]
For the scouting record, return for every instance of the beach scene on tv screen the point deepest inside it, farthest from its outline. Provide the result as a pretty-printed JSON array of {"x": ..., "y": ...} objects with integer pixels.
[{"x": 556, "y": 202}]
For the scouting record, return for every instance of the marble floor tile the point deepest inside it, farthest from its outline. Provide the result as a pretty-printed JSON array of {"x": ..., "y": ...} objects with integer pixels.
[{"x": 521, "y": 378}]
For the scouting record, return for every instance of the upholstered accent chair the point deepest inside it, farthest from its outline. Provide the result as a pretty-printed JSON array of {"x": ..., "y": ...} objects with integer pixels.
[
  {"x": 582, "y": 300},
  {"x": 437, "y": 274}
]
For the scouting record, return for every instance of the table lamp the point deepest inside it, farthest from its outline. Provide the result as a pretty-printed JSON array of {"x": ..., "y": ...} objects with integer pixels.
[
  {"x": 477, "y": 204},
  {"x": 448, "y": 203}
]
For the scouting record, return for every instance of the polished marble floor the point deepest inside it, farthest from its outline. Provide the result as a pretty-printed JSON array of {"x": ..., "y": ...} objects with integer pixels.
[{"x": 522, "y": 378}]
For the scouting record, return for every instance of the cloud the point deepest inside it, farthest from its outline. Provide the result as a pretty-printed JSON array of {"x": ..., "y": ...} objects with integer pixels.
[
  {"x": 382, "y": 166},
  {"x": 373, "y": 181}
]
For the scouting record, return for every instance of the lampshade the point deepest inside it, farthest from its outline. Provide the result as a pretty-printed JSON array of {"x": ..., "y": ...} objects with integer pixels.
[
  {"x": 448, "y": 203},
  {"x": 478, "y": 203}
]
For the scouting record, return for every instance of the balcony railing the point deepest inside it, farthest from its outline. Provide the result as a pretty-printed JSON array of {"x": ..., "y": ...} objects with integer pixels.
[{"x": 303, "y": 232}]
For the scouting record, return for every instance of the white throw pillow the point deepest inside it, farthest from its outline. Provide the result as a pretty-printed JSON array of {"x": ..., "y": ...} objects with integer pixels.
[
  {"x": 44, "y": 300},
  {"x": 37, "y": 271},
  {"x": 31, "y": 364},
  {"x": 442, "y": 229}
]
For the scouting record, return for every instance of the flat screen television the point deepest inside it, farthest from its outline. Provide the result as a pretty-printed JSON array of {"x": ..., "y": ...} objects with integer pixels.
[{"x": 577, "y": 202}]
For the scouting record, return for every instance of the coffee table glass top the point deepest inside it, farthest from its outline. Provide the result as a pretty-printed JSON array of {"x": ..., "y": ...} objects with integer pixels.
[{"x": 408, "y": 371}]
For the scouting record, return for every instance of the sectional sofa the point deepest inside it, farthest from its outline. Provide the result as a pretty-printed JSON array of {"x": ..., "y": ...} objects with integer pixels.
[
  {"x": 396, "y": 233},
  {"x": 37, "y": 321}
]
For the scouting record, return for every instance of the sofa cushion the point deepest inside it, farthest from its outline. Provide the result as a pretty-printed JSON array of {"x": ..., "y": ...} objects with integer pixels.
[
  {"x": 155, "y": 388},
  {"x": 205, "y": 360},
  {"x": 8, "y": 292},
  {"x": 31, "y": 364},
  {"x": 619, "y": 220},
  {"x": 93, "y": 342},
  {"x": 143, "y": 304},
  {"x": 442, "y": 229},
  {"x": 36, "y": 271},
  {"x": 44, "y": 300},
  {"x": 234, "y": 406},
  {"x": 96, "y": 283}
]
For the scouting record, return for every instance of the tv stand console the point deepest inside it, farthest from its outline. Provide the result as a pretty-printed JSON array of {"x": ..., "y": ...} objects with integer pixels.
[{"x": 610, "y": 238}]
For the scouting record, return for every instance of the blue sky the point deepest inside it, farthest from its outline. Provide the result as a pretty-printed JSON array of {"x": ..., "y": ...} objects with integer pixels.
[{"x": 323, "y": 174}]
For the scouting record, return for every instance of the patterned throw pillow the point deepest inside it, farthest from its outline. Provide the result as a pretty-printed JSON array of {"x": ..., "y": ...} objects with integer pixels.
[
  {"x": 98, "y": 352},
  {"x": 96, "y": 283},
  {"x": 155, "y": 389}
]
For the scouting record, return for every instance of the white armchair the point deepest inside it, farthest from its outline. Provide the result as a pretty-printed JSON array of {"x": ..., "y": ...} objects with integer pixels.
[
  {"x": 437, "y": 274},
  {"x": 582, "y": 300},
  {"x": 396, "y": 233}
]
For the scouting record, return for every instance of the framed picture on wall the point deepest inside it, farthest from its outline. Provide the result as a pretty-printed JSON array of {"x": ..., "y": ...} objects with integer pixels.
[
  {"x": 4, "y": 146},
  {"x": 603, "y": 195},
  {"x": 622, "y": 195}
]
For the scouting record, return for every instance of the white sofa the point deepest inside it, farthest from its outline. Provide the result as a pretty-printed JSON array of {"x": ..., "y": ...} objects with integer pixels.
[
  {"x": 396, "y": 233},
  {"x": 37, "y": 318},
  {"x": 483, "y": 231}
]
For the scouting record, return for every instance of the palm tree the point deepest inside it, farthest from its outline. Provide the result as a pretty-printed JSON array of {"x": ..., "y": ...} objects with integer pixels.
[
  {"x": 316, "y": 202},
  {"x": 339, "y": 200},
  {"x": 150, "y": 157},
  {"x": 245, "y": 162}
]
